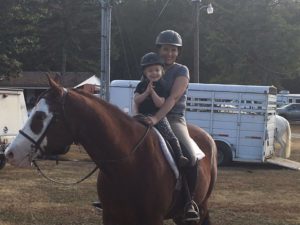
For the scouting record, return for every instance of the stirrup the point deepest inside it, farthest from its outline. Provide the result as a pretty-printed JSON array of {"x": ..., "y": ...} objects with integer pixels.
[
  {"x": 183, "y": 161},
  {"x": 97, "y": 205},
  {"x": 191, "y": 212}
]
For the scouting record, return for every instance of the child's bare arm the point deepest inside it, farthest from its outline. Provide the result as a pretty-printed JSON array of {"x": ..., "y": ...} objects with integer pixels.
[
  {"x": 158, "y": 101},
  {"x": 139, "y": 98}
]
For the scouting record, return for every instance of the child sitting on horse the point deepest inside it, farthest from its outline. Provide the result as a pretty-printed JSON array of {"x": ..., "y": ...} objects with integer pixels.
[{"x": 150, "y": 95}]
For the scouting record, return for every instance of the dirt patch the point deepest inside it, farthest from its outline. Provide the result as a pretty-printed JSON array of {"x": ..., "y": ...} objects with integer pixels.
[
  {"x": 258, "y": 193},
  {"x": 245, "y": 194}
]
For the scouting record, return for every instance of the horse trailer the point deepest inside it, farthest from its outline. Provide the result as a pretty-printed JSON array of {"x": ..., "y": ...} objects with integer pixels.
[
  {"x": 13, "y": 114},
  {"x": 284, "y": 98},
  {"x": 240, "y": 118}
]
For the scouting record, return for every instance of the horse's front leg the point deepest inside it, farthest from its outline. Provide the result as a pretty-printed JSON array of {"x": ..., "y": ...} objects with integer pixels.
[
  {"x": 281, "y": 144},
  {"x": 152, "y": 221},
  {"x": 109, "y": 219}
]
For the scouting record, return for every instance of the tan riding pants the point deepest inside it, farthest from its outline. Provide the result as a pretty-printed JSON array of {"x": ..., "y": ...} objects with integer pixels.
[{"x": 179, "y": 127}]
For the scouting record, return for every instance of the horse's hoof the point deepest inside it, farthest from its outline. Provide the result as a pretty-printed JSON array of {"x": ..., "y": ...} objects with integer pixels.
[{"x": 191, "y": 213}]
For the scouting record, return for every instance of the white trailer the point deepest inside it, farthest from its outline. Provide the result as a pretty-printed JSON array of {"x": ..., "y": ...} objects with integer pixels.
[
  {"x": 240, "y": 118},
  {"x": 287, "y": 98},
  {"x": 13, "y": 114}
]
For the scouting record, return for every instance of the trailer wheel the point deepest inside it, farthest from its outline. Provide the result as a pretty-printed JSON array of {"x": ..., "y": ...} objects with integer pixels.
[
  {"x": 224, "y": 154},
  {"x": 2, "y": 156},
  {"x": 2, "y": 161}
]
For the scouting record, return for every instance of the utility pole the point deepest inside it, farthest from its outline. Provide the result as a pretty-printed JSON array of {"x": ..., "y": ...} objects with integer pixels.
[
  {"x": 105, "y": 48},
  {"x": 196, "y": 40},
  {"x": 197, "y": 8}
]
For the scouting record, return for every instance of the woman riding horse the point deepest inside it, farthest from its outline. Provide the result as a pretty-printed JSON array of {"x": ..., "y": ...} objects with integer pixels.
[{"x": 169, "y": 44}]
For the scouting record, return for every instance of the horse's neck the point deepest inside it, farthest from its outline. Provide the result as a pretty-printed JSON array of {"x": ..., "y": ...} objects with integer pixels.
[{"x": 103, "y": 131}]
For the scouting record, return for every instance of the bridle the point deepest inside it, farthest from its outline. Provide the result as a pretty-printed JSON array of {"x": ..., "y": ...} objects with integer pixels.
[
  {"x": 36, "y": 142},
  {"x": 36, "y": 149}
]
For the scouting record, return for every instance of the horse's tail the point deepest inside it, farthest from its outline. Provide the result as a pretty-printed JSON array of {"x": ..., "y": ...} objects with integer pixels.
[{"x": 287, "y": 149}]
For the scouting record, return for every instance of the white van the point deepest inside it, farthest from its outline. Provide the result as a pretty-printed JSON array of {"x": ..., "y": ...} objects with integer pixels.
[{"x": 13, "y": 114}]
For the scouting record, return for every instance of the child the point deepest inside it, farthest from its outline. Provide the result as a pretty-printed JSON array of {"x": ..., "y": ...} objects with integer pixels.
[{"x": 150, "y": 95}]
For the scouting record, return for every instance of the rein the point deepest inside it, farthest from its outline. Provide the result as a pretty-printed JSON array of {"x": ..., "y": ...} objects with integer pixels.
[{"x": 60, "y": 182}]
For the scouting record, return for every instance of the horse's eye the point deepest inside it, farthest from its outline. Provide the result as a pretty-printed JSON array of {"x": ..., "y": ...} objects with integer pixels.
[
  {"x": 37, "y": 122},
  {"x": 39, "y": 115}
]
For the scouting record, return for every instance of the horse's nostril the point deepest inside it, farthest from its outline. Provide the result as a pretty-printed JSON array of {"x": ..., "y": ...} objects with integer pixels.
[{"x": 10, "y": 155}]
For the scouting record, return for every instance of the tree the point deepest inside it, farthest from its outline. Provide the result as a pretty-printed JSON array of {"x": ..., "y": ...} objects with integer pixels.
[
  {"x": 243, "y": 42},
  {"x": 17, "y": 35},
  {"x": 69, "y": 35},
  {"x": 255, "y": 47}
]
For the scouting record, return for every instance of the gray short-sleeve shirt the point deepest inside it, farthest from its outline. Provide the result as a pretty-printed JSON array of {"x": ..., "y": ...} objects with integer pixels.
[{"x": 170, "y": 76}]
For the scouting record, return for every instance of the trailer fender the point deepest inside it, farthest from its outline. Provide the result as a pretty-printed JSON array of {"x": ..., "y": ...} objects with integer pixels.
[{"x": 225, "y": 152}]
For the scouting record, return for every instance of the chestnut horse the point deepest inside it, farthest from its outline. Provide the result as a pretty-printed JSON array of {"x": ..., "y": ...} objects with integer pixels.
[{"x": 136, "y": 185}]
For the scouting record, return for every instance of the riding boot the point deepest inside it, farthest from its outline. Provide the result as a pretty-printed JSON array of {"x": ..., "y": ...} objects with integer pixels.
[
  {"x": 191, "y": 210},
  {"x": 180, "y": 159}
]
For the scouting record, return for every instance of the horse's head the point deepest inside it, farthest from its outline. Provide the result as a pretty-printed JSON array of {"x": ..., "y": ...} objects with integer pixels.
[{"x": 46, "y": 132}]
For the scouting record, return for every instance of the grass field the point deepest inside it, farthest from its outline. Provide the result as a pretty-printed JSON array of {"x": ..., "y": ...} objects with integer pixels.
[{"x": 245, "y": 194}]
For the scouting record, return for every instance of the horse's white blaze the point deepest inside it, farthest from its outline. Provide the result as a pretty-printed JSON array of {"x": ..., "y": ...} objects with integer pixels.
[{"x": 21, "y": 147}]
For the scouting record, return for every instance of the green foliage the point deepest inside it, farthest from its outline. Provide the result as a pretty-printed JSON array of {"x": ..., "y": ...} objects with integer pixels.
[
  {"x": 8, "y": 67},
  {"x": 254, "y": 42},
  {"x": 68, "y": 32},
  {"x": 16, "y": 36},
  {"x": 243, "y": 42}
]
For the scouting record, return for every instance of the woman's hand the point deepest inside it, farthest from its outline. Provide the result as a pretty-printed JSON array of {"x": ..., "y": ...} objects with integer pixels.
[{"x": 151, "y": 120}]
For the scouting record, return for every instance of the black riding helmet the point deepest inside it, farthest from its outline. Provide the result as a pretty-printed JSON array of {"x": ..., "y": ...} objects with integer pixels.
[
  {"x": 150, "y": 59},
  {"x": 168, "y": 37}
]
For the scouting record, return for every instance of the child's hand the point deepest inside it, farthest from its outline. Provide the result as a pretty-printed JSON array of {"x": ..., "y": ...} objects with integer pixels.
[{"x": 149, "y": 89}]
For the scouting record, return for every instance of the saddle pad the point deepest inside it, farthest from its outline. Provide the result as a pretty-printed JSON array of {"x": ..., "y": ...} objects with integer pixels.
[
  {"x": 167, "y": 154},
  {"x": 197, "y": 151},
  {"x": 199, "y": 154}
]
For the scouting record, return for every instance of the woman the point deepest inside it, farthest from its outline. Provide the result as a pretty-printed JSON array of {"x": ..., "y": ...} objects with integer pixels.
[{"x": 169, "y": 44}]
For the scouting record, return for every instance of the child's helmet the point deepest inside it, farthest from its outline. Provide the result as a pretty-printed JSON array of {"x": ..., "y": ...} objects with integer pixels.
[{"x": 150, "y": 59}]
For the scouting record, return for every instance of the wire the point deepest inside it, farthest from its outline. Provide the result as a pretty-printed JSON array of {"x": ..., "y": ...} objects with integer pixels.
[
  {"x": 131, "y": 46},
  {"x": 160, "y": 13},
  {"x": 122, "y": 41},
  {"x": 189, "y": 2}
]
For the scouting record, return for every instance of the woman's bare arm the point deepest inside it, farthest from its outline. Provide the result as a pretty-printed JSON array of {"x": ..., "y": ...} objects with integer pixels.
[{"x": 178, "y": 88}]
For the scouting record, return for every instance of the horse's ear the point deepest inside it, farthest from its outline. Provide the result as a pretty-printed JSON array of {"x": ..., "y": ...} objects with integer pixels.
[
  {"x": 57, "y": 78},
  {"x": 54, "y": 85}
]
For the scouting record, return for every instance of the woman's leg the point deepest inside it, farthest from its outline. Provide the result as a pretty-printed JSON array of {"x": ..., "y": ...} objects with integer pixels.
[
  {"x": 165, "y": 129},
  {"x": 180, "y": 129}
]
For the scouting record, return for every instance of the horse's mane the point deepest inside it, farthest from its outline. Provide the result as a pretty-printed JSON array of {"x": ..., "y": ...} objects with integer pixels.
[{"x": 114, "y": 110}]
